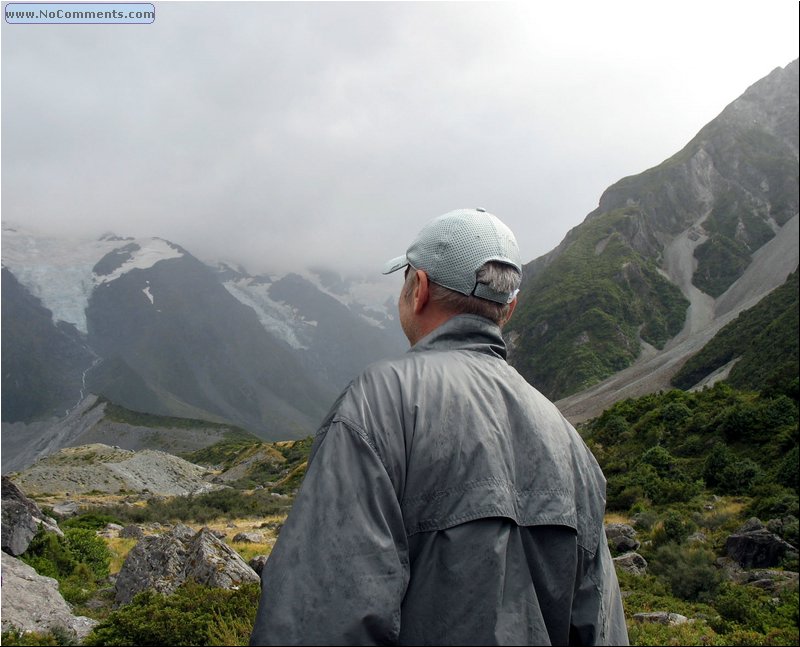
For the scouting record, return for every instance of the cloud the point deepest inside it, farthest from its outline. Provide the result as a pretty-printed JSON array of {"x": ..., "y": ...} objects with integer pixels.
[{"x": 285, "y": 135}]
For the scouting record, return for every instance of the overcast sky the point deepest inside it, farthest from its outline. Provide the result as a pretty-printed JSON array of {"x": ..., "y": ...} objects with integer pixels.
[{"x": 284, "y": 135}]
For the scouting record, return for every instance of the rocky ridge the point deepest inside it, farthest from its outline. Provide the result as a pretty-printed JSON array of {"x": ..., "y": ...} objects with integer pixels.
[{"x": 113, "y": 470}]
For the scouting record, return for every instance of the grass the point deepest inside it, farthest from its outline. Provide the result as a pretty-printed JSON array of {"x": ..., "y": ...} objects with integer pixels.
[
  {"x": 616, "y": 517},
  {"x": 119, "y": 547}
]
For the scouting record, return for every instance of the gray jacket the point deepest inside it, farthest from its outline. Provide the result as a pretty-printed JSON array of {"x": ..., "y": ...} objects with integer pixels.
[{"x": 446, "y": 502}]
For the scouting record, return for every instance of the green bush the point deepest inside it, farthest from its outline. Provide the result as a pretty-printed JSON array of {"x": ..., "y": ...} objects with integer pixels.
[
  {"x": 78, "y": 560},
  {"x": 674, "y": 529},
  {"x": 728, "y": 473},
  {"x": 193, "y": 615},
  {"x": 771, "y": 501},
  {"x": 90, "y": 521},
  {"x": 787, "y": 472},
  {"x": 56, "y": 636},
  {"x": 49, "y": 555},
  {"x": 752, "y": 609},
  {"x": 690, "y": 572},
  {"x": 696, "y": 633},
  {"x": 87, "y": 548}
]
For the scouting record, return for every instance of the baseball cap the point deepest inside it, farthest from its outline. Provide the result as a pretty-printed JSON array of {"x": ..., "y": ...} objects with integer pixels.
[{"x": 451, "y": 249}]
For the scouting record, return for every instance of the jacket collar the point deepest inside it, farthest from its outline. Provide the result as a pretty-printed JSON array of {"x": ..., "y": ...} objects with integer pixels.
[{"x": 465, "y": 332}]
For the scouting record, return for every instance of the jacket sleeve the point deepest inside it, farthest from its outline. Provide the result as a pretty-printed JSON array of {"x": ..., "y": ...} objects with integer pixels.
[
  {"x": 339, "y": 570},
  {"x": 597, "y": 614}
]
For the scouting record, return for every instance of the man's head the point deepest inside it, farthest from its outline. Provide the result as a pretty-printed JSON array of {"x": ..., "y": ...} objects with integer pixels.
[{"x": 463, "y": 262}]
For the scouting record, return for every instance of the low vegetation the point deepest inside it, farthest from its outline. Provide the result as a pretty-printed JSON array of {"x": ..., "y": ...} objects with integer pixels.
[
  {"x": 763, "y": 338},
  {"x": 685, "y": 469}
]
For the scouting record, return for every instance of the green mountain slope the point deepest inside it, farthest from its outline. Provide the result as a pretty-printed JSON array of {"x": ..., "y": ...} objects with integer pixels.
[
  {"x": 694, "y": 221},
  {"x": 764, "y": 338},
  {"x": 582, "y": 319}
]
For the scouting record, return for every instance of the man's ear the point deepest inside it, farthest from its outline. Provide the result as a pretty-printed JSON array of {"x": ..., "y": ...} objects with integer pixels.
[
  {"x": 421, "y": 291},
  {"x": 510, "y": 312}
]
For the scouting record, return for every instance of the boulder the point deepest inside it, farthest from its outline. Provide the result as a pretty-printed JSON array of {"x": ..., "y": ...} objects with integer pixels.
[
  {"x": 753, "y": 546},
  {"x": 661, "y": 617},
  {"x": 32, "y": 602},
  {"x": 111, "y": 531},
  {"x": 131, "y": 531},
  {"x": 21, "y": 518},
  {"x": 257, "y": 563},
  {"x": 248, "y": 538},
  {"x": 772, "y": 581},
  {"x": 65, "y": 509},
  {"x": 164, "y": 562},
  {"x": 621, "y": 538},
  {"x": 632, "y": 563}
]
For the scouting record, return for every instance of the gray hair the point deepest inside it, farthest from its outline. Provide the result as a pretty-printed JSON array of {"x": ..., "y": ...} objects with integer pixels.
[{"x": 501, "y": 277}]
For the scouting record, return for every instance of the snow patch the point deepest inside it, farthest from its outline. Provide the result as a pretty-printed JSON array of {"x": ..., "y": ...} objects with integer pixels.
[
  {"x": 149, "y": 253},
  {"x": 277, "y": 318},
  {"x": 59, "y": 271}
]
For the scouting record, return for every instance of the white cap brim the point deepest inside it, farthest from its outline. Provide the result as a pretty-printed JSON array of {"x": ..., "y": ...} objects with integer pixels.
[{"x": 395, "y": 264}]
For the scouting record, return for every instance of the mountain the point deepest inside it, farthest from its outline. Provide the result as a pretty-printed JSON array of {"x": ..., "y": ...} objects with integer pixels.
[
  {"x": 96, "y": 420},
  {"x": 759, "y": 347},
  {"x": 150, "y": 327},
  {"x": 667, "y": 258},
  {"x": 46, "y": 358},
  {"x": 322, "y": 316}
]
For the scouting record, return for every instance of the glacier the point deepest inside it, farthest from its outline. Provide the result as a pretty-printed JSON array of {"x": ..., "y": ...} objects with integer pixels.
[{"x": 59, "y": 271}]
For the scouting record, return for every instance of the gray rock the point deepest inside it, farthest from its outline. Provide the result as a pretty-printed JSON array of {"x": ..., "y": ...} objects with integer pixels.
[
  {"x": 131, "y": 531},
  {"x": 632, "y": 563},
  {"x": 257, "y": 563},
  {"x": 753, "y": 546},
  {"x": 249, "y": 538},
  {"x": 32, "y": 602},
  {"x": 751, "y": 525},
  {"x": 621, "y": 538},
  {"x": 111, "y": 530},
  {"x": 772, "y": 581},
  {"x": 661, "y": 617},
  {"x": 20, "y": 519},
  {"x": 166, "y": 561},
  {"x": 65, "y": 509}
]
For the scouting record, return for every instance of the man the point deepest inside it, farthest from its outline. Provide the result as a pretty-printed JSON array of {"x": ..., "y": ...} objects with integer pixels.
[{"x": 446, "y": 500}]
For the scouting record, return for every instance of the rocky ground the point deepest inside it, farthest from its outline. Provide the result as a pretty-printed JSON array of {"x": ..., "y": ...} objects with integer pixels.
[{"x": 112, "y": 470}]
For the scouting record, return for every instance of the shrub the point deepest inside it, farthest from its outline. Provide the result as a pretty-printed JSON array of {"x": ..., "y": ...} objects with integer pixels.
[
  {"x": 49, "y": 555},
  {"x": 771, "y": 500},
  {"x": 90, "y": 521},
  {"x": 696, "y": 633},
  {"x": 89, "y": 549},
  {"x": 56, "y": 636},
  {"x": 77, "y": 561},
  {"x": 752, "y": 608},
  {"x": 690, "y": 572},
  {"x": 193, "y": 615},
  {"x": 787, "y": 472},
  {"x": 674, "y": 529}
]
